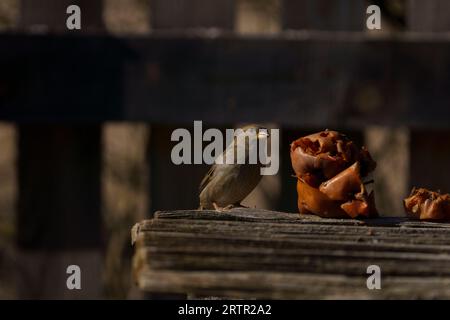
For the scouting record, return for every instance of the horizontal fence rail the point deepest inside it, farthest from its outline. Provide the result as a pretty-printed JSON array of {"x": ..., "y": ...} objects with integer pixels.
[{"x": 294, "y": 79}]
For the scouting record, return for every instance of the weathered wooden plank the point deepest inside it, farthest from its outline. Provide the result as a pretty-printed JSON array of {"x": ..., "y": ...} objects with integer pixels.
[
  {"x": 161, "y": 243},
  {"x": 297, "y": 260},
  {"x": 275, "y": 285},
  {"x": 207, "y": 247},
  {"x": 287, "y": 232},
  {"x": 250, "y": 214},
  {"x": 177, "y": 78}
]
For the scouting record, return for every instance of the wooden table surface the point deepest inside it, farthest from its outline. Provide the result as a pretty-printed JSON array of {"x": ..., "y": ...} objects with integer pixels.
[{"x": 251, "y": 253}]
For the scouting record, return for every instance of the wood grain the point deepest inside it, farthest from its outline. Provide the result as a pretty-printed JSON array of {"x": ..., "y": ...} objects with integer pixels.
[{"x": 250, "y": 253}]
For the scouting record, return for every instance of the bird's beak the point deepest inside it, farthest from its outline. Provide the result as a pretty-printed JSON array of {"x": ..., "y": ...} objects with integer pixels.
[{"x": 263, "y": 134}]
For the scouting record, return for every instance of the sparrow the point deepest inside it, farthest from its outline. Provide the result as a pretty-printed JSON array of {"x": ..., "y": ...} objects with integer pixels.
[{"x": 226, "y": 185}]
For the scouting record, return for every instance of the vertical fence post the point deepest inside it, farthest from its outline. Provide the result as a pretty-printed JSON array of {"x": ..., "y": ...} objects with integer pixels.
[
  {"x": 171, "y": 186},
  {"x": 323, "y": 15},
  {"x": 59, "y": 220},
  {"x": 429, "y": 149}
]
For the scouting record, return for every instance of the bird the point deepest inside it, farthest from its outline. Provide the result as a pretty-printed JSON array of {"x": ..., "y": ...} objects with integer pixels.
[{"x": 227, "y": 184}]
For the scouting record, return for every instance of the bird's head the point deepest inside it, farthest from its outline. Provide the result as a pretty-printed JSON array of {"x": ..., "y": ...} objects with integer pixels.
[
  {"x": 249, "y": 136},
  {"x": 261, "y": 132}
]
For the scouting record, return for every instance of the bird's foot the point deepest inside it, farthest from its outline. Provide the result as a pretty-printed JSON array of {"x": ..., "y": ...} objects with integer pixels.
[
  {"x": 228, "y": 207},
  {"x": 222, "y": 209}
]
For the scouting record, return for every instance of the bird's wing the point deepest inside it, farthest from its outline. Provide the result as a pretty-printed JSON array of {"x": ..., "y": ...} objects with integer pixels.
[{"x": 207, "y": 178}]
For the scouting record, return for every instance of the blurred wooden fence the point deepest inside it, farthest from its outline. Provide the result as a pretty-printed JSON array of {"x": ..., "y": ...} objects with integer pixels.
[{"x": 60, "y": 87}]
